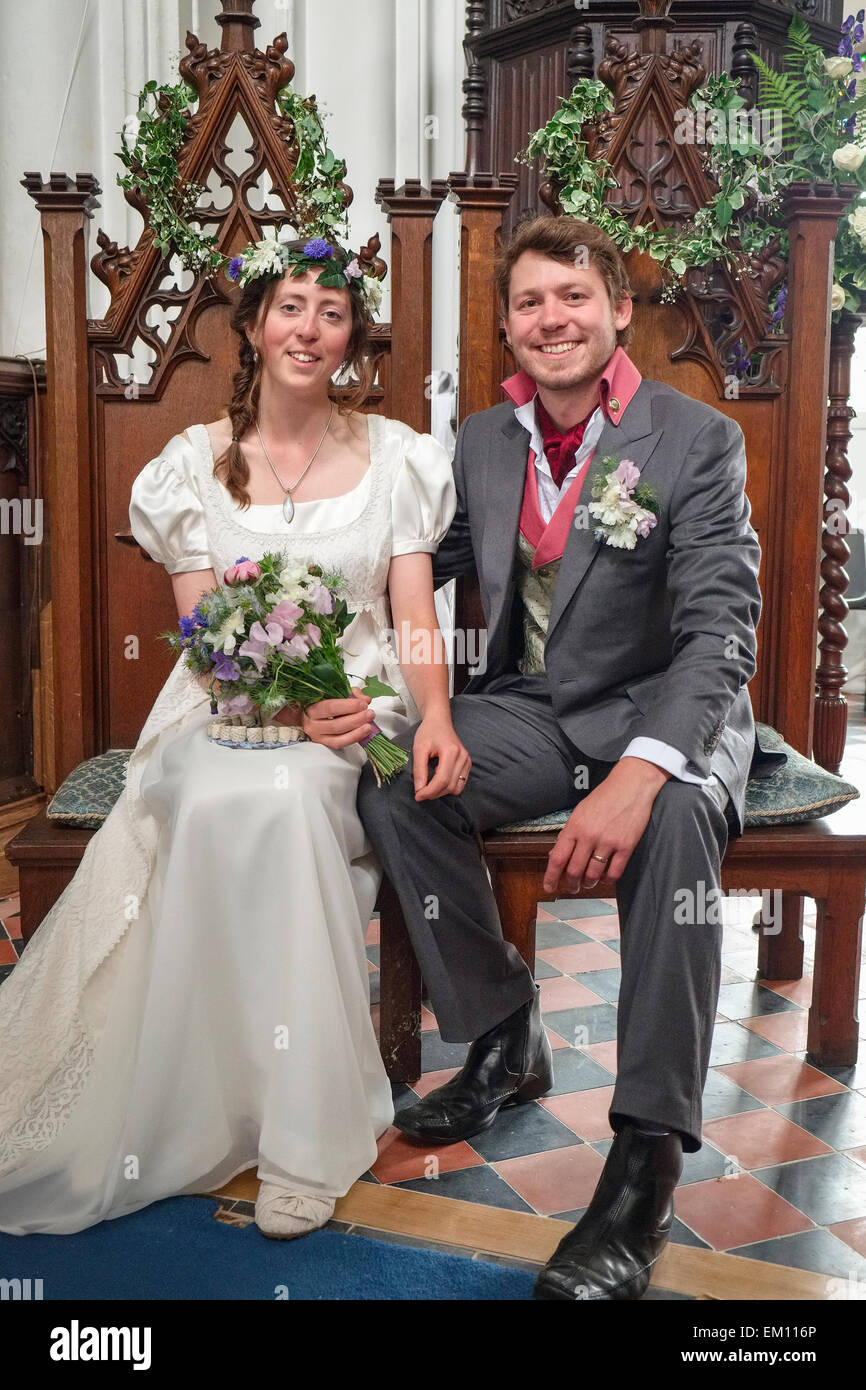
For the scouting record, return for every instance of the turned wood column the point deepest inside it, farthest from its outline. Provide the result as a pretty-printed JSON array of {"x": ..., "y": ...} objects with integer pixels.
[
  {"x": 831, "y": 707},
  {"x": 811, "y": 212},
  {"x": 411, "y": 211},
  {"x": 65, "y": 205},
  {"x": 483, "y": 200},
  {"x": 237, "y": 22}
]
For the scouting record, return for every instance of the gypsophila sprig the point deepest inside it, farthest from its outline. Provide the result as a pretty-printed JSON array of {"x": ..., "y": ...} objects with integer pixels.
[
  {"x": 151, "y": 154},
  {"x": 151, "y": 157}
]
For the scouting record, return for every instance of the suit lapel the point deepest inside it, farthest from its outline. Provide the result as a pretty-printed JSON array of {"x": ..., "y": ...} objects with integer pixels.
[
  {"x": 503, "y": 499},
  {"x": 635, "y": 439}
]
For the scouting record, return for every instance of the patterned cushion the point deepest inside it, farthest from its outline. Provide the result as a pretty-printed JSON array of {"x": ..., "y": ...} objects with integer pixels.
[
  {"x": 788, "y": 789},
  {"x": 784, "y": 788},
  {"x": 90, "y": 791}
]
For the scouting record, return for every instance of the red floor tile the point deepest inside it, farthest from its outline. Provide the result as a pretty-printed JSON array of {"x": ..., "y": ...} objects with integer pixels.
[
  {"x": 785, "y": 1030},
  {"x": 586, "y": 955},
  {"x": 859, "y": 1155},
  {"x": 759, "y": 1138},
  {"x": 399, "y": 1159},
  {"x": 561, "y": 992},
  {"x": 603, "y": 1053},
  {"x": 372, "y": 937},
  {"x": 554, "y": 1039},
  {"x": 775, "y": 1080},
  {"x": 798, "y": 991},
  {"x": 431, "y": 1079},
  {"x": 428, "y": 1020},
  {"x": 726, "y": 1212},
  {"x": 7, "y": 953},
  {"x": 560, "y": 1180},
  {"x": 585, "y": 1112},
  {"x": 853, "y": 1233},
  {"x": 599, "y": 928},
  {"x": 542, "y": 915}
]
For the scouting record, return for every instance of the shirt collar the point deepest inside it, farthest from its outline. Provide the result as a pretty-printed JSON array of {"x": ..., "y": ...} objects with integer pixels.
[{"x": 619, "y": 383}]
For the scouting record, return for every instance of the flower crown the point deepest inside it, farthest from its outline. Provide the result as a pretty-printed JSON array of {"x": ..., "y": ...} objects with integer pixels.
[{"x": 271, "y": 257}]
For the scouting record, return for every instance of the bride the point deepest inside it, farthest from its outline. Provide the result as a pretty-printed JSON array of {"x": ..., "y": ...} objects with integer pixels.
[{"x": 197, "y": 1002}]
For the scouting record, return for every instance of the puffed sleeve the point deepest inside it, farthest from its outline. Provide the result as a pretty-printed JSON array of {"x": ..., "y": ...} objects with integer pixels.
[
  {"x": 423, "y": 497},
  {"x": 165, "y": 513}
]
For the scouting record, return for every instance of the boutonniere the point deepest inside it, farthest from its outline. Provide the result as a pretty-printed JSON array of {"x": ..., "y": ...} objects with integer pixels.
[{"x": 622, "y": 509}]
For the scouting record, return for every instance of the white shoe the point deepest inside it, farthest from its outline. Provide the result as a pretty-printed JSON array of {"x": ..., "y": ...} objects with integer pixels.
[{"x": 284, "y": 1214}]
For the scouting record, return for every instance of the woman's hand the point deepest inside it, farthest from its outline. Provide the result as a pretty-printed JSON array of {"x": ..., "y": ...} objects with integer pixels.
[
  {"x": 337, "y": 723},
  {"x": 204, "y": 682},
  {"x": 290, "y": 715},
  {"x": 435, "y": 738}
]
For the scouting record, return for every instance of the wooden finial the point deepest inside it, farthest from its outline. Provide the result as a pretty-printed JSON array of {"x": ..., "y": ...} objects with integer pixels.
[{"x": 237, "y": 22}]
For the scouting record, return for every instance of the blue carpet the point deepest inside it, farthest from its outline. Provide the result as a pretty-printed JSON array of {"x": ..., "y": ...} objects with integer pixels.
[{"x": 174, "y": 1249}]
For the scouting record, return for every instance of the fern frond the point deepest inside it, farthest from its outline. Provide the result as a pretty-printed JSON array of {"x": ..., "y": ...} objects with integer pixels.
[{"x": 779, "y": 89}]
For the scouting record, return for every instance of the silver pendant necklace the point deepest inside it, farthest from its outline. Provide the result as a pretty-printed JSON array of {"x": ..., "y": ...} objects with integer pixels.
[{"x": 288, "y": 504}]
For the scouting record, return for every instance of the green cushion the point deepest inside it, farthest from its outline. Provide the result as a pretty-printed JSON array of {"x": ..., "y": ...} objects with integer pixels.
[
  {"x": 90, "y": 791},
  {"x": 784, "y": 789}
]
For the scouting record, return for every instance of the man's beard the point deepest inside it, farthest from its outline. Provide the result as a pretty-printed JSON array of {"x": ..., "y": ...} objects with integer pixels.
[{"x": 587, "y": 369}]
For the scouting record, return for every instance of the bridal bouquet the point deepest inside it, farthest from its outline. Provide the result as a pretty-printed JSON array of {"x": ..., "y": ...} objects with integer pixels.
[{"x": 270, "y": 634}]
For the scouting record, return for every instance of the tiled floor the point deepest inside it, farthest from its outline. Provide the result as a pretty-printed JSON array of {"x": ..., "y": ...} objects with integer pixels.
[{"x": 781, "y": 1176}]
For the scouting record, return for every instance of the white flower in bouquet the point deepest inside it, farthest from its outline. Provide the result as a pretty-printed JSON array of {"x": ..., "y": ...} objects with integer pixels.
[
  {"x": 848, "y": 158},
  {"x": 838, "y": 66},
  {"x": 225, "y": 637},
  {"x": 837, "y": 299},
  {"x": 857, "y": 221}
]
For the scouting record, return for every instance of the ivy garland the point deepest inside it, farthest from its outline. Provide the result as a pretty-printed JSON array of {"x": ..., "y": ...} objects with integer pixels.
[
  {"x": 151, "y": 144},
  {"x": 820, "y": 113}
]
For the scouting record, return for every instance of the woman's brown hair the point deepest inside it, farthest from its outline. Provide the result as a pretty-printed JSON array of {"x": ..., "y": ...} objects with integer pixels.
[
  {"x": 561, "y": 238},
  {"x": 231, "y": 467}
]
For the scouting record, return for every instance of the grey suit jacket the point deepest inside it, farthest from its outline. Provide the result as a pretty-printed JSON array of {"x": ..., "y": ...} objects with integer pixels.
[{"x": 657, "y": 641}]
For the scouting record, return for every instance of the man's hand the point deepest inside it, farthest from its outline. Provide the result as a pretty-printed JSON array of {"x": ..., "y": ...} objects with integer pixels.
[
  {"x": 337, "y": 723},
  {"x": 607, "y": 824},
  {"x": 435, "y": 738}
]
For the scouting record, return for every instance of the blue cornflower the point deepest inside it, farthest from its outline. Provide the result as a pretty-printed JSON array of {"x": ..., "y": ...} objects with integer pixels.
[
  {"x": 186, "y": 626},
  {"x": 236, "y": 265},
  {"x": 318, "y": 249}
]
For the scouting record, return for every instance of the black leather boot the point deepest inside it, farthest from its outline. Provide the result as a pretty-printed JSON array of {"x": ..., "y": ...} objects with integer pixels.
[
  {"x": 509, "y": 1064},
  {"x": 611, "y": 1251}
]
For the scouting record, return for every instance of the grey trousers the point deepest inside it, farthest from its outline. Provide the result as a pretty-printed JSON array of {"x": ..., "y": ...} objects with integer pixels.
[{"x": 524, "y": 766}]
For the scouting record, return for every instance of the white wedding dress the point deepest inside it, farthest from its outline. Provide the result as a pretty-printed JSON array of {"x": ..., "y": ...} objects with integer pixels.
[{"x": 197, "y": 1000}]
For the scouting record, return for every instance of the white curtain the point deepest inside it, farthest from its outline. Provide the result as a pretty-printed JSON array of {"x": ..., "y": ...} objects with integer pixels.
[{"x": 389, "y": 88}]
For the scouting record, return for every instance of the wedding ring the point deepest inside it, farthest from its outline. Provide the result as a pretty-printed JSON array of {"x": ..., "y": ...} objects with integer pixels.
[
  {"x": 461, "y": 779},
  {"x": 602, "y": 858}
]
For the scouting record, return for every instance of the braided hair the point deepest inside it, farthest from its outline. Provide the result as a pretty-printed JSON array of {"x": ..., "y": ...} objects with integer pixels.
[{"x": 255, "y": 298}]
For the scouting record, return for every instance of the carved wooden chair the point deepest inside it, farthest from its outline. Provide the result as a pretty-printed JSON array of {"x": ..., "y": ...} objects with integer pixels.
[{"x": 101, "y": 429}]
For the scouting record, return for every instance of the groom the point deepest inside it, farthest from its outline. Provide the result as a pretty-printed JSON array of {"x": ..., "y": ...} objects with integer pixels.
[{"x": 615, "y": 682}]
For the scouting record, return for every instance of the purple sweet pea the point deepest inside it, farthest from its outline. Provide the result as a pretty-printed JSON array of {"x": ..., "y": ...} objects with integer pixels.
[
  {"x": 238, "y": 704},
  {"x": 626, "y": 475},
  {"x": 318, "y": 249},
  {"x": 286, "y": 614},
  {"x": 321, "y": 599},
  {"x": 224, "y": 668},
  {"x": 297, "y": 647},
  {"x": 313, "y": 635}
]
